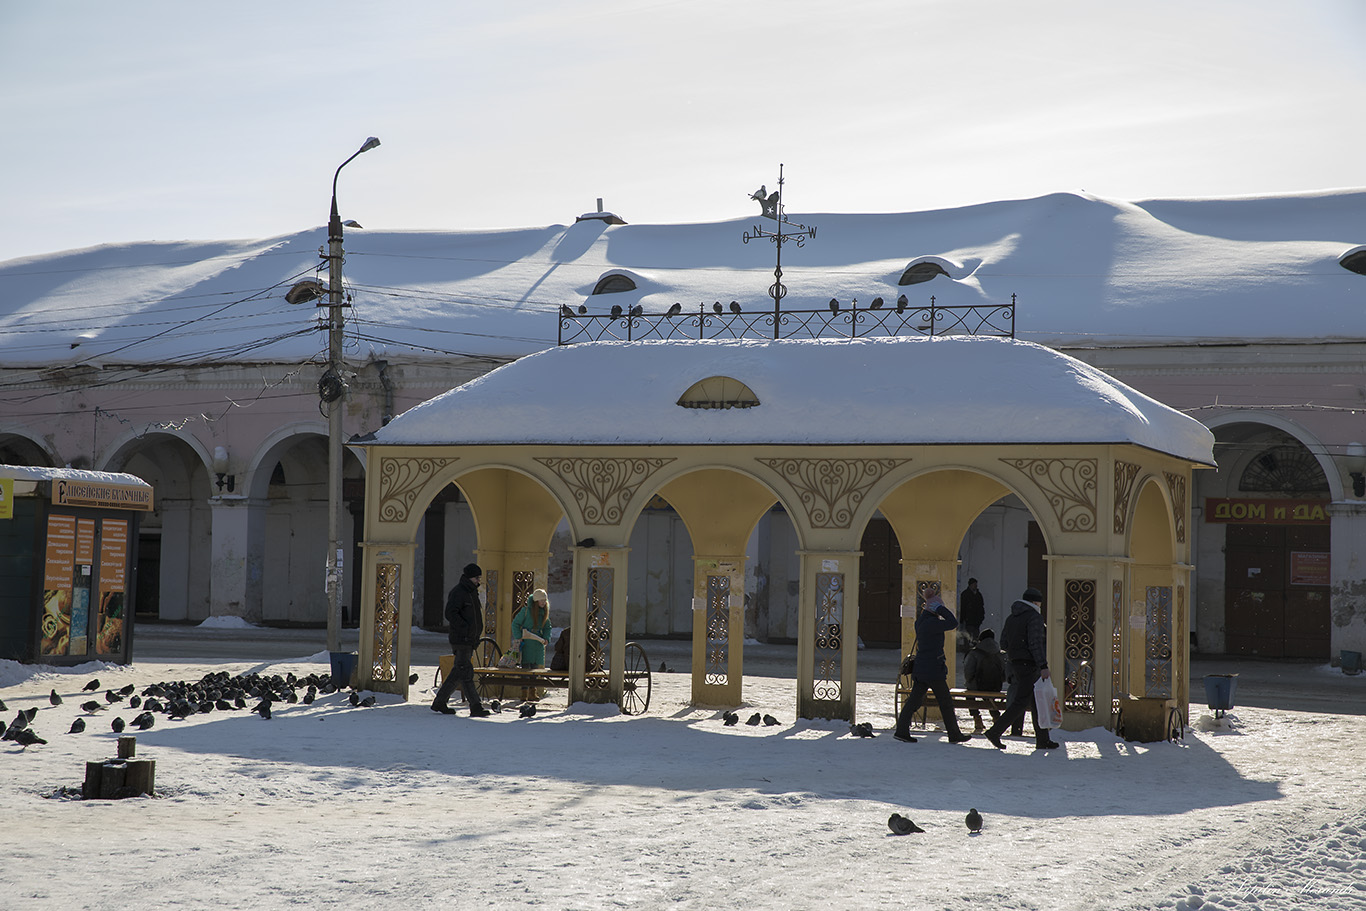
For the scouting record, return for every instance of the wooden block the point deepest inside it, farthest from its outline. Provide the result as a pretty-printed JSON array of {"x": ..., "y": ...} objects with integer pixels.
[
  {"x": 94, "y": 772},
  {"x": 142, "y": 775},
  {"x": 128, "y": 746},
  {"x": 113, "y": 776}
]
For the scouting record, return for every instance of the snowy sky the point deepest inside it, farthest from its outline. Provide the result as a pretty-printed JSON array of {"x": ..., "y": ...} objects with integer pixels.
[{"x": 171, "y": 121}]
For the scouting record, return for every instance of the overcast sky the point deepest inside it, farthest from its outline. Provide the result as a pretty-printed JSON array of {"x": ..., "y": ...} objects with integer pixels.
[{"x": 171, "y": 121}]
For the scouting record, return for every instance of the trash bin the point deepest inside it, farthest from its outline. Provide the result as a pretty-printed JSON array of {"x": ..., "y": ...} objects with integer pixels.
[
  {"x": 343, "y": 667},
  {"x": 1351, "y": 662},
  {"x": 1219, "y": 692}
]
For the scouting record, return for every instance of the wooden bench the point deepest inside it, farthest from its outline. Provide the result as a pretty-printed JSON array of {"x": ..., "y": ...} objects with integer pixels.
[
  {"x": 962, "y": 698},
  {"x": 489, "y": 677}
]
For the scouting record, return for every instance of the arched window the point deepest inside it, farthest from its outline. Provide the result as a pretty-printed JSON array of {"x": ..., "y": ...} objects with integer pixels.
[
  {"x": 718, "y": 392},
  {"x": 920, "y": 272},
  {"x": 614, "y": 283},
  {"x": 1354, "y": 260}
]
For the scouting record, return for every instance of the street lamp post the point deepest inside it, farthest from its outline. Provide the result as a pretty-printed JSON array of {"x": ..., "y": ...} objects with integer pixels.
[{"x": 332, "y": 390}]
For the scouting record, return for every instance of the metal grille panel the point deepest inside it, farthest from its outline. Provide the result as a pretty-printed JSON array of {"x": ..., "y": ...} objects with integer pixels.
[
  {"x": 1079, "y": 638},
  {"x": 718, "y": 630},
  {"x": 491, "y": 603},
  {"x": 829, "y": 634},
  {"x": 600, "y": 582},
  {"x": 1157, "y": 664},
  {"x": 384, "y": 665}
]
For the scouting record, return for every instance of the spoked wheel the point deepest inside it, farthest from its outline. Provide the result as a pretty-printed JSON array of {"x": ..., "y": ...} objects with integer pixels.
[
  {"x": 487, "y": 654},
  {"x": 636, "y": 683}
]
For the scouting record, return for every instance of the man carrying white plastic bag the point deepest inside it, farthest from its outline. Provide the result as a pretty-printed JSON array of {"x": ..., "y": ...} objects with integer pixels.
[{"x": 1023, "y": 639}]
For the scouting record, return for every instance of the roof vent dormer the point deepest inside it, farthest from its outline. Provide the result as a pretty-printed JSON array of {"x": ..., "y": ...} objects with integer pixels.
[{"x": 600, "y": 215}]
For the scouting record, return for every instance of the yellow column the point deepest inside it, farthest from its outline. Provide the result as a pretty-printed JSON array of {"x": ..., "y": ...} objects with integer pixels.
[
  {"x": 597, "y": 611},
  {"x": 386, "y": 618},
  {"x": 827, "y": 642},
  {"x": 718, "y": 629}
]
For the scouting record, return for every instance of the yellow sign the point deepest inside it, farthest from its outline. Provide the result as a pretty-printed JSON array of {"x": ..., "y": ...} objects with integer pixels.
[
  {"x": 66, "y": 492},
  {"x": 6, "y": 498}
]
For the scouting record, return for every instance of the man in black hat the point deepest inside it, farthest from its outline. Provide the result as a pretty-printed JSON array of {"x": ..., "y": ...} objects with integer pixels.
[
  {"x": 1023, "y": 638},
  {"x": 465, "y": 615}
]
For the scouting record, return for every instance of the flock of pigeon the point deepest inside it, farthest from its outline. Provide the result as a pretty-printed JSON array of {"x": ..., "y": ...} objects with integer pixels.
[
  {"x": 730, "y": 718},
  {"x": 903, "y": 825},
  {"x": 178, "y": 700}
]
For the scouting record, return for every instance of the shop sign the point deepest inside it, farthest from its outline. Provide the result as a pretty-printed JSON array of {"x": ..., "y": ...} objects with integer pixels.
[
  {"x": 1266, "y": 512},
  {"x": 66, "y": 492},
  {"x": 1309, "y": 568}
]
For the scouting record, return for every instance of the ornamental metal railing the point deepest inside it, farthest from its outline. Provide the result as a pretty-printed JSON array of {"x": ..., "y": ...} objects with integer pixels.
[{"x": 717, "y": 321}]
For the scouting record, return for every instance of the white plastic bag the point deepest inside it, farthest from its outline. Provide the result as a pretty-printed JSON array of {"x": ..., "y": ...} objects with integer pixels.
[{"x": 1046, "y": 701}]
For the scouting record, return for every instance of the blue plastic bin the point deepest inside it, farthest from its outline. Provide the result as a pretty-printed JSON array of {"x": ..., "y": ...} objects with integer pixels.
[
  {"x": 1351, "y": 662},
  {"x": 1219, "y": 692},
  {"x": 343, "y": 666}
]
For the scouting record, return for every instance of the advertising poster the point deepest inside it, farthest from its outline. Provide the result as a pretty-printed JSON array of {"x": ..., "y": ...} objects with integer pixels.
[
  {"x": 59, "y": 561},
  {"x": 80, "y": 590},
  {"x": 113, "y": 582}
]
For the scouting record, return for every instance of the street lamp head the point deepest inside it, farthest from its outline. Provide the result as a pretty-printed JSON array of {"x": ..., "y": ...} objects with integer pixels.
[{"x": 369, "y": 144}]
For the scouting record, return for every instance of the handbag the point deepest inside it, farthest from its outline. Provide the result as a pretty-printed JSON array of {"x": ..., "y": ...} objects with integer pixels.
[
  {"x": 510, "y": 658},
  {"x": 1046, "y": 701}
]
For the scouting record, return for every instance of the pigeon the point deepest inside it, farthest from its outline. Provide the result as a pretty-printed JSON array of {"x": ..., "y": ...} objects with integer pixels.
[
  {"x": 754, "y": 719},
  {"x": 412, "y": 678},
  {"x": 565, "y": 311},
  {"x": 355, "y": 698},
  {"x": 496, "y": 706},
  {"x": 662, "y": 668},
  {"x": 974, "y": 821},
  {"x": 111, "y": 696},
  {"x": 876, "y": 304},
  {"x": 771, "y": 721},
  {"x": 616, "y": 311},
  {"x": 3, "y": 736},
  {"x": 676, "y": 309},
  {"x": 729, "y": 718},
  {"x": 734, "y": 306},
  {"x": 144, "y": 721},
  {"x": 716, "y": 306},
  {"x": 263, "y": 710},
  {"x": 134, "y": 701},
  {"x": 583, "y": 309},
  {"x": 54, "y": 698},
  {"x": 20, "y": 721},
  {"x": 27, "y": 737},
  {"x": 368, "y": 701},
  {"x": 862, "y": 730},
  {"x": 92, "y": 706},
  {"x": 127, "y": 690},
  {"x": 637, "y": 310},
  {"x": 77, "y": 726},
  {"x": 528, "y": 710},
  {"x": 901, "y": 303},
  {"x": 93, "y": 685},
  {"x": 901, "y": 825},
  {"x": 2, "y": 706},
  {"x": 834, "y": 306},
  {"x": 117, "y": 725},
  {"x": 310, "y": 696},
  {"x": 760, "y": 194},
  {"x": 30, "y": 713}
]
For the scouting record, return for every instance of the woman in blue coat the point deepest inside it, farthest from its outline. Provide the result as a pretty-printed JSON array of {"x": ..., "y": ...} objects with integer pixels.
[{"x": 930, "y": 671}]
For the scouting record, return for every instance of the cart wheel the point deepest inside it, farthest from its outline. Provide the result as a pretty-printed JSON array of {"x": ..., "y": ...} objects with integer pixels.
[
  {"x": 1176, "y": 729},
  {"x": 635, "y": 681},
  {"x": 487, "y": 654}
]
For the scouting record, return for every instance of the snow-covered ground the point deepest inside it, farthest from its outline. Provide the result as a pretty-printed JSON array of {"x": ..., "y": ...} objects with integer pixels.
[{"x": 329, "y": 805}]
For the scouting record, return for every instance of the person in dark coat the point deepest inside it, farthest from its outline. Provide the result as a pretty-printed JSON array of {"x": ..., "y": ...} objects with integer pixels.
[
  {"x": 465, "y": 614},
  {"x": 930, "y": 671},
  {"x": 1024, "y": 638},
  {"x": 984, "y": 669},
  {"x": 972, "y": 611}
]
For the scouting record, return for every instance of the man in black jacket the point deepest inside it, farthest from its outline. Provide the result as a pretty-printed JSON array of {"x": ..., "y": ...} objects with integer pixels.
[
  {"x": 1023, "y": 638},
  {"x": 465, "y": 615},
  {"x": 972, "y": 610}
]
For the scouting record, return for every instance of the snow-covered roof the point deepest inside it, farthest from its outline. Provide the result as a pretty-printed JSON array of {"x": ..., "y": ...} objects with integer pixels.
[
  {"x": 1086, "y": 271},
  {"x": 896, "y": 391},
  {"x": 34, "y": 473}
]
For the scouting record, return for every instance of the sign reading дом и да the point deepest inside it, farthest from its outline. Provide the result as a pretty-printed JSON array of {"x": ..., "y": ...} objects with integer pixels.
[{"x": 1266, "y": 512}]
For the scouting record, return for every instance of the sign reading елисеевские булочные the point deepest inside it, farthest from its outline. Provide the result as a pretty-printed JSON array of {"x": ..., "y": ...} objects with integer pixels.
[{"x": 67, "y": 492}]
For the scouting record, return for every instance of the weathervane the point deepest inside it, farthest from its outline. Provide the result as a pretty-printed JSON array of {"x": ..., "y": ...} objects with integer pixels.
[{"x": 772, "y": 205}]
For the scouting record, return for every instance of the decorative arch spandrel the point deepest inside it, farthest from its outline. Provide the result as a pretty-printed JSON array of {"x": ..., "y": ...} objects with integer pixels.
[
  {"x": 1069, "y": 485},
  {"x": 1126, "y": 473},
  {"x": 603, "y": 487},
  {"x": 1176, "y": 486},
  {"x": 401, "y": 478},
  {"x": 831, "y": 490}
]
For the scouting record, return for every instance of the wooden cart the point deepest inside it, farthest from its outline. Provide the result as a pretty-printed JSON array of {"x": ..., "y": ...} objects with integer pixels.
[{"x": 636, "y": 685}]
